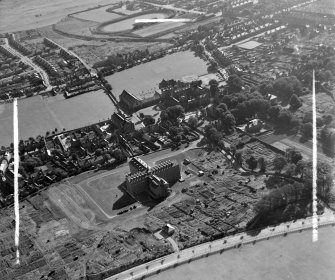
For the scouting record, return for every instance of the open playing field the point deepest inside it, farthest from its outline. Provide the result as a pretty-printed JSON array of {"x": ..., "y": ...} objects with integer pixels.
[
  {"x": 249, "y": 45},
  {"x": 97, "y": 15},
  {"x": 37, "y": 115},
  {"x": 146, "y": 77},
  {"x": 157, "y": 28},
  {"x": 24, "y": 15},
  {"x": 124, "y": 11},
  {"x": 292, "y": 257},
  {"x": 104, "y": 190},
  {"x": 128, "y": 23}
]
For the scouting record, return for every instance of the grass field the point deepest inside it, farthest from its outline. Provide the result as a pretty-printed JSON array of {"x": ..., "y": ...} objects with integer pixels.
[
  {"x": 24, "y": 15},
  {"x": 157, "y": 28},
  {"x": 97, "y": 15},
  {"x": 38, "y": 115},
  {"x": 146, "y": 77},
  {"x": 292, "y": 257},
  {"x": 104, "y": 190},
  {"x": 127, "y": 24},
  {"x": 125, "y": 11}
]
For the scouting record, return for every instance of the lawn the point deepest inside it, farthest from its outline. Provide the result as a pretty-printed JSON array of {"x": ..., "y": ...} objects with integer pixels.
[
  {"x": 37, "y": 115},
  {"x": 128, "y": 23},
  {"x": 104, "y": 190},
  {"x": 157, "y": 28},
  {"x": 146, "y": 77}
]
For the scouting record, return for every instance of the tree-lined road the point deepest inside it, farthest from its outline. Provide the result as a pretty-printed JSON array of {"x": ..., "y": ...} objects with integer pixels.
[{"x": 220, "y": 245}]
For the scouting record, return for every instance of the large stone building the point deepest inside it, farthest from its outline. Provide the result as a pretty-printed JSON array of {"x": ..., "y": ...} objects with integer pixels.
[
  {"x": 133, "y": 104},
  {"x": 156, "y": 181},
  {"x": 122, "y": 122}
]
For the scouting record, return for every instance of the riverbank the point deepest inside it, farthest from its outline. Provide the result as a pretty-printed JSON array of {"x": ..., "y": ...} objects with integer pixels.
[
  {"x": 242, "y": 240},
  {"x": 292, "y": 257}
]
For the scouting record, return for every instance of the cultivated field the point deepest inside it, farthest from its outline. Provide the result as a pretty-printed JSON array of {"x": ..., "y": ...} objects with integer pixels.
[
  {"x": 146, "y": 77},
  {"x": 37, "y": 115},
  {"x": 23, "y": 15},
  {"x": 97, "y": 15},
  {"x": 292, "y": 257}
]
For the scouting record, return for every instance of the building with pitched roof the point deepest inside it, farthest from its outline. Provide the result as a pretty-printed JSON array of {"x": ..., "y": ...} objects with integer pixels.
[{"x": 156, "y": 180}]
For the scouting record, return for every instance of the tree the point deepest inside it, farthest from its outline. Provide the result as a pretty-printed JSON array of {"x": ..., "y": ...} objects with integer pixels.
[
  {"x": 295, "y": 101},
  {"x": 307, "y": 130},
  {"x": 327, "y": 119},
  {"x": 173, "y": 130},
  {"x": 290, "y": 169},
  {"x": 148, "y": 120},
  {"x": 301, "y": 167},
  {"x": 212, "y": 68},
  {"x": 193, "y": 121},
  {"x": 164, "y": 116},
  {"x": 222, "y": 106},
  {"x": 279, "y": 163},
  {"x": 273, "y": 112},
  {"x": 239, "y": 157},
  {"x": 234, "y": 83},
  {"x": 293, "y": 155},
  {"x": 229, "y": 120},
  {"x": 213, "y": 82},
  {"x": 286, "y": 87},
  {"x": 30, "y": 163},
  {"x": 98, "y": 152},
  {"x": 266, "y": 88},
  {"x": 175, "y": 112},
  {"x": 252, "y": 163},
  {"x": 284, "y": 118},
  {"x": 262, "y": 164}
]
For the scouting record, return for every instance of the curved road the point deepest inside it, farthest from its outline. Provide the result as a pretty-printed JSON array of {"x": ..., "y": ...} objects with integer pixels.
[{"x": 29, "y": 62}]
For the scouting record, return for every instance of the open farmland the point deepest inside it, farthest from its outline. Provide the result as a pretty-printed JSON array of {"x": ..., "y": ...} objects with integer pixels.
[
  {"x": 23, "y": 15},
  {"x": 146, "y": 77},
  {"x": 37, "y": 115},
  {"x": 97, "y": 15}
]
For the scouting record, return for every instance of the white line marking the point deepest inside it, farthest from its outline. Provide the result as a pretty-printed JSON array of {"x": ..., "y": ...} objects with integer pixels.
[
  {"x": 152, "y": 20},
  {"x": 315, "y": 162},
  {"x": 16, "y": 180}
]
